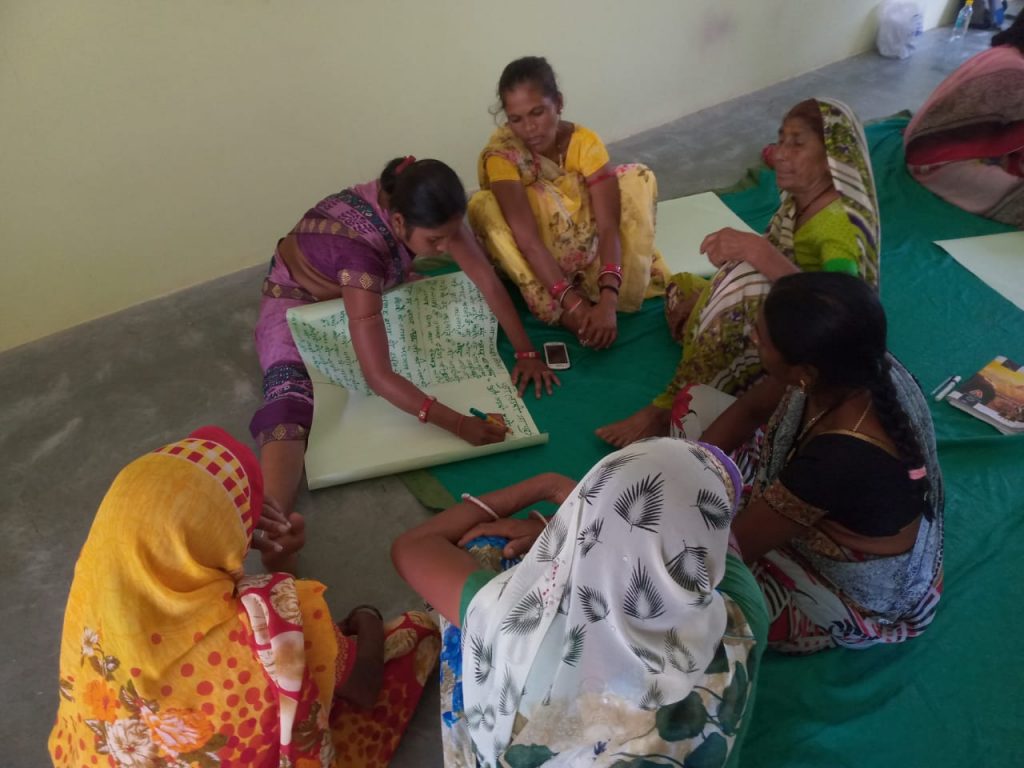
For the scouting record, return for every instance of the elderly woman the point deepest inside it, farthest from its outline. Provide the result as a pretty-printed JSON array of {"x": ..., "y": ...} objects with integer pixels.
[
  {"x": 827, "y": 220},
  {"x": 966, "y": 143},
  {"x": 843, "y": 529},
  {"x": 172, "y": 656},
  {"x": 627, "y": 629},
  {"x": 574, "y": 232}
]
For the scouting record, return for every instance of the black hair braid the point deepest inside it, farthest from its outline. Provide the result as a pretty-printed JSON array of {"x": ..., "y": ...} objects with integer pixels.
[{"x": 897, "y": 426}]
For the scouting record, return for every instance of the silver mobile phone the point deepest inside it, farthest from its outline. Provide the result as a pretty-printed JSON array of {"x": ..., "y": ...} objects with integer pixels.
[{"x": 556, "y": 355}]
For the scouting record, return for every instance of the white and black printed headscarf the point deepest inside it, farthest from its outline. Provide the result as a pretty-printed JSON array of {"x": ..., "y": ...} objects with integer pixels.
[{"x": 614, "y": 609}]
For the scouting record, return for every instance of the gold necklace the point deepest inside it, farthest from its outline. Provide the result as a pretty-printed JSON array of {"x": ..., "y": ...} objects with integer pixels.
[
  {"x": 818, "y": 417},
  {"x": 856, "y": 427},
  {"x": 812, "y": 421}
]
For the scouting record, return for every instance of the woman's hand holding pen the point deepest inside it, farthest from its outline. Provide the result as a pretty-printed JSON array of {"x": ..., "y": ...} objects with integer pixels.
[
  {"x": 479, "y": 431},
  {"x": 475, "y": 430}
]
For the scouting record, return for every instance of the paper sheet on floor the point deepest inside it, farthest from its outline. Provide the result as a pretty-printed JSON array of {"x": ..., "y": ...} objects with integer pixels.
[
  {"x": 684, "y": 222},
  {"x": 442, "y": 337},
  {"x": 998, "y": 260}
]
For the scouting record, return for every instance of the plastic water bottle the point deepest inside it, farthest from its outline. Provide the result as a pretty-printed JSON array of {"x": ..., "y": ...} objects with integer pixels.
[{"x": 963, "y": 21}]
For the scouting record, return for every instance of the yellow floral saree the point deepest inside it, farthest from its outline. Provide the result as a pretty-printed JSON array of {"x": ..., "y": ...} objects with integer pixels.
[{"x": 560, "y": 201}]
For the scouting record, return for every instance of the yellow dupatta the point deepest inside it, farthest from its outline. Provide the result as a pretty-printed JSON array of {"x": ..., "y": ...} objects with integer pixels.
[
  {"x": 560, "y": 203},
  {"x": 558, "y": 198},
  {"x": 160, "y": 664}
]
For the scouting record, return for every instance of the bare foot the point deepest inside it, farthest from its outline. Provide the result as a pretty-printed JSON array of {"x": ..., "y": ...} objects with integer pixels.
[
  {"x": 649, "y": 421},
  {"x": 679, "y": 311}
]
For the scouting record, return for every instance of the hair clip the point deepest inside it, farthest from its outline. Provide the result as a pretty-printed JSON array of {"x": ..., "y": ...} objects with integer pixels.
[
  {"x": 409, "y": 160},
  {"x": 918, "y": 474}
]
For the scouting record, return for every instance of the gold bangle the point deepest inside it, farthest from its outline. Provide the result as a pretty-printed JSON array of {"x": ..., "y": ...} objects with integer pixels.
[{"x": 574, "y": 307}]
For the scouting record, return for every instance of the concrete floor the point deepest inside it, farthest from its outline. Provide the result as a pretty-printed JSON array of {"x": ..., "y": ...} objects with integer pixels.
[{"x": 82, "y": 403}]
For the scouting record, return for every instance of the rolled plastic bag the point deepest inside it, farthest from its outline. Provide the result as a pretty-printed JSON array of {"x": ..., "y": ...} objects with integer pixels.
[{"x": 899, "y": 22}]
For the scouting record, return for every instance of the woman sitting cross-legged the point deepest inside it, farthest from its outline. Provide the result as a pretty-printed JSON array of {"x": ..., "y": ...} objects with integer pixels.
[
  {"x": 843, "y": 529},
  {"x": 574, "y": 232},
  {"x": 627, "y": 628},
  {"x": 171, "y": 656}
]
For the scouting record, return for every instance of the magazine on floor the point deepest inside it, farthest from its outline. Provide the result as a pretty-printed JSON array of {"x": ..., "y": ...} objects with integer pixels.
[{"x": 995, "y": 394}]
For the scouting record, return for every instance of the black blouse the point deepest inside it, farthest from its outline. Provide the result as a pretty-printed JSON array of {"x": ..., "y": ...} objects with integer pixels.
[{"x": 856, "y": 482}]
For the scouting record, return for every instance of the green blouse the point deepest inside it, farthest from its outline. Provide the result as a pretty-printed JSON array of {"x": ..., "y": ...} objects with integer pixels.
[{"x": 828, "y": 242}]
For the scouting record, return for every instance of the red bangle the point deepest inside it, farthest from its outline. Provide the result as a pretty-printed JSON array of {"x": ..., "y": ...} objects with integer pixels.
[
  {"x": 559, "y": 290},
  {"x": 601, "y": 177},
  {"x": 428, "y": 401},
  {"x": 612, "y": 270},
  {"x": 529, "y": 355}
]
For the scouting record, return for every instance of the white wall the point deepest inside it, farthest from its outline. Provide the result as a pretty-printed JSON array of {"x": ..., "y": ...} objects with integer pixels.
[{"x": 149, "y": 145}]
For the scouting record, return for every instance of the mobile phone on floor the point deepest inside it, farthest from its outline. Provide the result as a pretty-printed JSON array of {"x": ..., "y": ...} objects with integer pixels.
[{"x": 556, "y": 355}]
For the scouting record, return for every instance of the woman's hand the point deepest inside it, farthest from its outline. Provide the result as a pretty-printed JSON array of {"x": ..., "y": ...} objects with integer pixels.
[
  {"x": 730, "y": 244},
  {"x": 273, "y": 522},
  {"x": 599, "y": 328},
  {"x": 533, "y": 371},
  {"x": 278, "y": 536},
  {"x": 549, "y": 486},
  {"x": 558, "y": 487},
  {"x": 520, "y": 534},
  {"x": 480, "y": 432},
  {"x": 572, "y": 319}
]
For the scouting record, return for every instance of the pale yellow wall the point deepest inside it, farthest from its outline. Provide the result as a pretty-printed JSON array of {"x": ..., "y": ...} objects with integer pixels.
[{"x": 146, "y": 146}]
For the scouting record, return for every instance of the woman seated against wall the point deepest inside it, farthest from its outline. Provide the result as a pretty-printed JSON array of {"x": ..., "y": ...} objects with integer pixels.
[
  {"x": 843, "y": 528},
  {"x": 966, "y": 144},
  {"x": 827, "y": 220},
  {"x": 355, "y": 245},
  {"x": 172, "y": 656},
  {"x": 627, "y": 629},
  {"x": 574, "y": 232}
]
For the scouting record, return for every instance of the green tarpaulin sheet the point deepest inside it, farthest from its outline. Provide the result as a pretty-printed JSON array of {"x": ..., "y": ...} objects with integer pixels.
[{"x": 952, "y": 697}]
